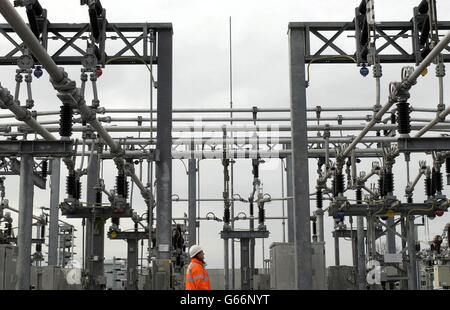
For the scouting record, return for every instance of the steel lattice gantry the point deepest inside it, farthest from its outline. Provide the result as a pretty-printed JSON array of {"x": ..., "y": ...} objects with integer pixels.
[
  {"x": 402, "y": 31},
  {"x": 72, "y": 35}
]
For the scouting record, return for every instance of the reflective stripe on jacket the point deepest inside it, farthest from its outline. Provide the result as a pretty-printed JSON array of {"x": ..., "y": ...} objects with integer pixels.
[{"x": 197, "y": 276}]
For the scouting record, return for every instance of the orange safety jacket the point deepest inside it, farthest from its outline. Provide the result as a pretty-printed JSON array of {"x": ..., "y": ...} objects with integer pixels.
[{"x": 197, "y": 276}]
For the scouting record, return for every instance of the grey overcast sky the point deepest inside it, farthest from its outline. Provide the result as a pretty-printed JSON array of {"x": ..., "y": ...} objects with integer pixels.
[{"x": 260, "y": 78}]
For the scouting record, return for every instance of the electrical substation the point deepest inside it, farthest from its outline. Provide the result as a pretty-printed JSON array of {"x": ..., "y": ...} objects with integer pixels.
[{"x": 353, "y": 151}]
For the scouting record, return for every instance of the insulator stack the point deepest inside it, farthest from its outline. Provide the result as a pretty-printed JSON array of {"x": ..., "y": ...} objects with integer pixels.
[
  {"x": 388, "y": 183},
  {"x": 339, "y": 183},
  {"x": 439, "y": 181},
  {"x": 44, "y": 169},
  {"x": 98, "y": 197},
  {"x": 433, "y": 182},
  {"x": 363, "y": 7},
  {"x": 65, "y": 122},
  {"x": 425, "y": 32},
  {"x": 403, "y": 119},
  {"x": 423, "y": 7},
  {"x": 78, "y": 189},
  {"x": 359, "y": 196},
  {"x": 428, "y": 189},
  {"x": 226, "y": 216},
  {"x": 122, "y": 186},
  {"x": 436, "y": 179},
  {"x": 319, "y": 199},
  {"x": 71, "y": 185},
  {"x": 126, "y": 188},
  {"x": 261, "y": 215},
  {"x": 381, "y": 186}
]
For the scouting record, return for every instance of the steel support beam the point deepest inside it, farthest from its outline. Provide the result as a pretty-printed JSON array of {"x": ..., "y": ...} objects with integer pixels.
[
  {"x": 192, "y": 211},
  {"x": 300, "y": 174},
  {"x": 289, "y": 193},
  {"x": 54, "y": 212},
  {"x": 132, "y": 264},
  {"x": 38, "y": 180},
  {"x": 404, "y": 233},
  {"x": 245, "y": 264},
  {"x": 391, "y": 247},
  {"x": 95, "y": 230},
  {"x": 226, "y": 243},
  {"x": 337, "y": 261},
  {"x": 424, "y": 144},
  {"x": 164, "y": 145},
  {"x": 412, "y": 267},
  {"x": 361, "y": 276},
  {"x": 37, "y": 148},
  {"x": 26, "y": 193}
]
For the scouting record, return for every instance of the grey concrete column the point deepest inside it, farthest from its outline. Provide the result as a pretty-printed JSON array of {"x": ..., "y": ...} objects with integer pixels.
[
  {"x": 245, "y": 264},
  {"x": 361, "y": 277},
  {"x": 164, "y": 146},
  {"x": 290, "y": 202},
  {"x": 300, "y": 173},
  {"x": 54, "y": 212},
  {"x": 26, "y": 192},
  {"x": 132, "y": 264},
  {"x": 192, "y": 197}
]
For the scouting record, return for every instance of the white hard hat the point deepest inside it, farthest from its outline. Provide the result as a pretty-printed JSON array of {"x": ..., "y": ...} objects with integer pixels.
[{"x": 194, "y": 250}]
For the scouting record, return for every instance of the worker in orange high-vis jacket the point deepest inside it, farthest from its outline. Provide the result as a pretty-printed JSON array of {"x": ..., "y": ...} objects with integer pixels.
[{"x": 196, "y": 274}]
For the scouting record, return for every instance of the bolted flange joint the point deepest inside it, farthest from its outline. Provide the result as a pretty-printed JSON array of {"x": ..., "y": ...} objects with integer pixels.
[
  {"x": 65, "y": 85},
  {"x": 398, "y": 92}
]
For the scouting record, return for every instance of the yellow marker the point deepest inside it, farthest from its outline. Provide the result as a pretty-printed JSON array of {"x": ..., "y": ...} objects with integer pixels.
[
  {"x": 113, "y": 235},
  {"x": 390, "y": 213},
  {"x": 425, "y": 72}
]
